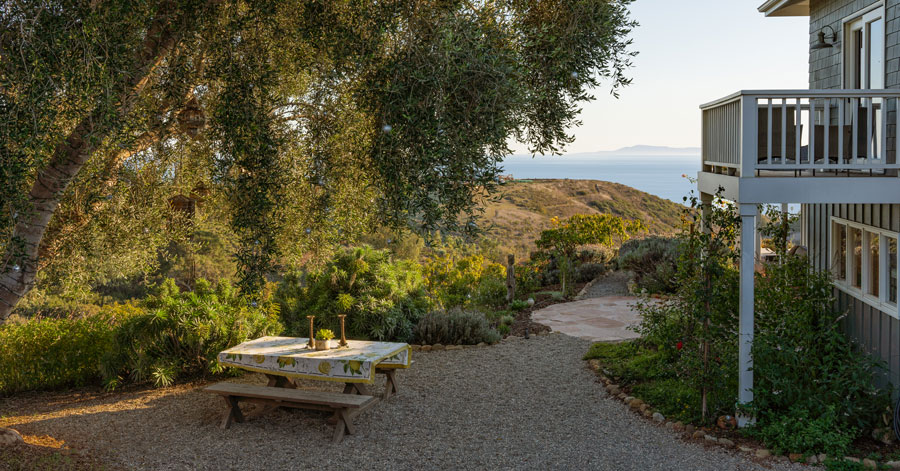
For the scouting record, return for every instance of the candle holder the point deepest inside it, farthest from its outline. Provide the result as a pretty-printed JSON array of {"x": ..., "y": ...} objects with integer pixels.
[
  {"x": 311, "y": 343},
  {"x": 343, "y": 342}
]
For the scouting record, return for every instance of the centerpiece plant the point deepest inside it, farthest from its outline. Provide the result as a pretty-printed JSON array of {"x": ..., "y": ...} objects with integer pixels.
[{"x": 323, "y": 339}]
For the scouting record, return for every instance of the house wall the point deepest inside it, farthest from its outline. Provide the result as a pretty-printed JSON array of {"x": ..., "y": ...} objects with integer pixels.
[{"x": 876, "y": 331}]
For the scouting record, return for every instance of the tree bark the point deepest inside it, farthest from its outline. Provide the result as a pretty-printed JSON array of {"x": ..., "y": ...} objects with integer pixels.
[{"x": 17, "y": 274}]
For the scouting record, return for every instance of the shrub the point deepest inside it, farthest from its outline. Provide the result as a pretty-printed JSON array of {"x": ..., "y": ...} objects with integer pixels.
[
  {"x": 806, "y": 368},
  {"x": 518, "y": 305},
  {"x": 48, "y": 353},
  {"x": 672, "y": 398},
  {"x": 455, "y": 327},
  {"x": 630, "y": 362},
  {"x": 587, "y": 272},
  {"x": 382, "y": 298},
  {"x": 38, "y": 304},
  {"x": 797, "y": 431},
  {"x": 529, "y": 277},
  {"x": 182, "y": 333},
  {"x": 463, "y": 281},
  {"x": 491, "y": 291},
  {"x": 654, "y": 262}
]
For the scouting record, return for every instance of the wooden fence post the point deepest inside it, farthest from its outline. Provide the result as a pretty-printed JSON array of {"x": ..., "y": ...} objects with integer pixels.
[{"x": 510, "y": 278}]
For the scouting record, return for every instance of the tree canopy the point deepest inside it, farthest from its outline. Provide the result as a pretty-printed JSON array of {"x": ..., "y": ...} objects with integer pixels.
[{"x": 303, "y": 122}]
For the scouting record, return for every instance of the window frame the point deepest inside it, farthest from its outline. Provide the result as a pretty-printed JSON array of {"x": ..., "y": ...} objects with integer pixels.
[
  {"x": 882, "y": 301},
  {"x": 876, "y": 9}
]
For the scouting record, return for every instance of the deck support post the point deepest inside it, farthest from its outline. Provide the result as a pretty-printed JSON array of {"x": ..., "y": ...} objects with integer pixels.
[{"x": 747, "y": 266}]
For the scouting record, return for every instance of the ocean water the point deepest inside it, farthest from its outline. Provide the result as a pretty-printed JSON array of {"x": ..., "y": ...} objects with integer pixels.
[{"x": 659, "y": 175}]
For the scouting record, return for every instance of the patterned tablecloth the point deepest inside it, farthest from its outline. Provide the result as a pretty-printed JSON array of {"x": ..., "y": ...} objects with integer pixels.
[{"x": 289, "y": 356}]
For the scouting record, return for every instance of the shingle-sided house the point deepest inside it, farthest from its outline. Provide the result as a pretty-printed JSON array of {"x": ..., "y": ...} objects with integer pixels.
[{"x": 832, "y": 149}]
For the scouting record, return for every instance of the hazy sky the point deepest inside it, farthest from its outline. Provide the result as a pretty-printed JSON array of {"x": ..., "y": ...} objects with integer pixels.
[{"x": 692, "y": 52}]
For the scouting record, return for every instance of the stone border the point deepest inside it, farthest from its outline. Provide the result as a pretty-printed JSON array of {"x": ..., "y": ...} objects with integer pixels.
[{"x": 706, "y": 434}]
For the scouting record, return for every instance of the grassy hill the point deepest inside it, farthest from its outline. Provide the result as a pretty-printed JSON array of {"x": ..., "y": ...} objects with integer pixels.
[{"x": 526, "y": 206}]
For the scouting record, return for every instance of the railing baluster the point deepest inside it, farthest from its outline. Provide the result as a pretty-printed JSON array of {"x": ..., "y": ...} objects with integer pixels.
[
  {"x": 854, "y": 150},
  {"x": 769, "y": 133},
  {"x": 869, "y": 140},
  {"x": 798, "y": 115},
  {"x": 812, "y": 133},
  {"x": 841, "y": 117},
  {"x": 883, "y": 154},
  {"x": 783, "y": 129},
  {"x": 826, "y": 135}
]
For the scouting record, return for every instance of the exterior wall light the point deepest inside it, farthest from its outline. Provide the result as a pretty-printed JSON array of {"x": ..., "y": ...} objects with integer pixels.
[{"x": 822, "y": 43}]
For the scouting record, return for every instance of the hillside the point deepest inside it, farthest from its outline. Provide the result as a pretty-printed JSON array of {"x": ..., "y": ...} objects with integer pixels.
[{"x": 526, "y": 206}]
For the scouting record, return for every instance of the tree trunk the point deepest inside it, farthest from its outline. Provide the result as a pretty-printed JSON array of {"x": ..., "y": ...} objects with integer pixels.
[{"x": 20, "y": 263}]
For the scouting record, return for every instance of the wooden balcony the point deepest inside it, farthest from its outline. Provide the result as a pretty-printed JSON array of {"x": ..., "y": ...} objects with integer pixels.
[{"x": 802, "y": 146}]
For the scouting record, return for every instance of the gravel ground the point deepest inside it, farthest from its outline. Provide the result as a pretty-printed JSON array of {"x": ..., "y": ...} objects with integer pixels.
[
  {"x": 612, "y": 284},
  {"x": 523, "y": 404}
]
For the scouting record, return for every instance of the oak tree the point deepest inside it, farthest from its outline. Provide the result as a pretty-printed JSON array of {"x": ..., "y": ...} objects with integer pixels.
[{"x": 306, "y": 118}]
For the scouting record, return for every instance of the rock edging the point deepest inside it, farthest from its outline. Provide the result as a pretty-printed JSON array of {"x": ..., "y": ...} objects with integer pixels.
[{"x": 688, "y": 431}]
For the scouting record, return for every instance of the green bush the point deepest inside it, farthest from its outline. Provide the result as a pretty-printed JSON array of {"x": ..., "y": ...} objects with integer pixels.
[
  {"x": 182, "y": 333},
  {"x": 38, "y": 304},
  {"x": 654, "y": 262},
  {"x": 629, "y": 362},
  {"x": 587, "y": 272},
  {"x": 529, "y": 277},
  {"x": 456, "y": 280},
  {"x": 382, "y": 298},
  {"x": 806, "y": 369},
  {"x": 672, "y": 398},
  {"x": 49, "y": 353},
  {"x": 490, "y": 292},
  {"x": 797, "y": 431},
  {"x": 455, "y": 327}
]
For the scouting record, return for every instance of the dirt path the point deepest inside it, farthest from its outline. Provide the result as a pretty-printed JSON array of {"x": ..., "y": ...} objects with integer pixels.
[{"x": 612, "y": 284}]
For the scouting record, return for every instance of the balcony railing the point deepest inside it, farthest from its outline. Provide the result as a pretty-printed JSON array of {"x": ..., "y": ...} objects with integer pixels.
[{"x": 761, "y": 132}]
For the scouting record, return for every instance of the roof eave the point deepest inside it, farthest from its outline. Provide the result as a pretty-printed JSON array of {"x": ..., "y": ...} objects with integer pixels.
[{"x": 785, "y": 8}]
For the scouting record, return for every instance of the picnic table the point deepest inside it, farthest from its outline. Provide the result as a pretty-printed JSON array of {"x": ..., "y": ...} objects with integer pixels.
[{"x": 282, "y": 359}]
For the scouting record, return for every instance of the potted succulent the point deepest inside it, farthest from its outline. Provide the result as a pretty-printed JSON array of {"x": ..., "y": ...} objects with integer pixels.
[{"x": 323, "y": 339}]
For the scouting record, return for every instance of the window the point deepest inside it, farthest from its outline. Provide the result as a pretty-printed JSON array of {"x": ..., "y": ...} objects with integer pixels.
[
  {"x": 864, "y": 51},
  {"x": 873, "y": 247},
  {"x": 892, "y": 269},
  {"x": 856, "y": 257},
  {"x": 864, "y": 262},
  {"x": 839, "y": 251}
]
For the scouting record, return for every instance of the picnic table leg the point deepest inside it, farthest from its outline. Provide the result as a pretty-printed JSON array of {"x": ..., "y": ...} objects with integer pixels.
[
  {"x": 344, "y": 423},
  {"x": 390, "y": 384},
  {"x": 233, "y": 413},
  {"x": 357, "y": 388},
  {"x": 276, "y": 381}
]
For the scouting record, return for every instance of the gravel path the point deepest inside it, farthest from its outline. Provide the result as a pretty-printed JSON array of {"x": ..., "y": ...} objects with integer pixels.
[{"x": 523, "y": 404}]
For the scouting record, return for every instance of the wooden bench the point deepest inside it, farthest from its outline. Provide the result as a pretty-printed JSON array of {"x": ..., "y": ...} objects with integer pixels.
[{"x": 340, "y": 404}]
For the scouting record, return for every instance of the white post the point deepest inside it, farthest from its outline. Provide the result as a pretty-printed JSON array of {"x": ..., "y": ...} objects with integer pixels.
[
  {"x": 745, "y": 361},
  {"x": 749, "y": 136}
]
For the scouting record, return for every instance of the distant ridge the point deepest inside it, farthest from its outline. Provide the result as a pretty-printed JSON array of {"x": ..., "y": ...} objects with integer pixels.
[
  {"x": 651, "y": 150},
  {"x": 639, "y": 150},
  {"x": 525, "y": 208}
]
